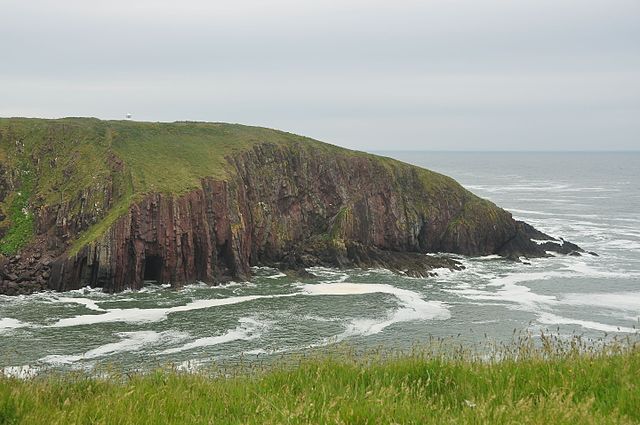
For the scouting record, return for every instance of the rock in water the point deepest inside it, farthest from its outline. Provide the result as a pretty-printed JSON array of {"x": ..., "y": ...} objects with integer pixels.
[{"x": 114, "y": 203}]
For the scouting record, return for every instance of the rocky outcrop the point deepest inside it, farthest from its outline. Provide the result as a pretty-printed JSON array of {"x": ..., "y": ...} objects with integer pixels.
[{"x": 288, "y": 206}]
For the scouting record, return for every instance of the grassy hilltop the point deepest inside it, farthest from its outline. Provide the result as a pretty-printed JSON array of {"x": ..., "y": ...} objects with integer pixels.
[{"x": 68, "y": 160}]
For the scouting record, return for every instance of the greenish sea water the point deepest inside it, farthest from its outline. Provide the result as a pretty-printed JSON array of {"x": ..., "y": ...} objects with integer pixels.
[{"x": 592, "y": 199}]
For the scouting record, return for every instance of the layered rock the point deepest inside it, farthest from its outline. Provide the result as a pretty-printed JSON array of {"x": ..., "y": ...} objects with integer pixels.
[{"x": 284, "y": 205}]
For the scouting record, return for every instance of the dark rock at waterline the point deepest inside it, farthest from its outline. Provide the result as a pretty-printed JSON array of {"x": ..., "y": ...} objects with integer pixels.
[
  {"x": 562, "y": 247},
  {"x": 299, "y": 273}
]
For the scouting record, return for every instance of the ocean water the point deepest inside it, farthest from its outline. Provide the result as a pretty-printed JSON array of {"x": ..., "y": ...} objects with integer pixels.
[{"x": 592, "y": 199}]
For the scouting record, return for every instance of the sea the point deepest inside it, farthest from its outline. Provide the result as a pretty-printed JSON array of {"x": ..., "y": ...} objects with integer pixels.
[{"x": 592, "y": 199}]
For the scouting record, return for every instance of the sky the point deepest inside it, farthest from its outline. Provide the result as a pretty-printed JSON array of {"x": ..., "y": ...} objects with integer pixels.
[{"x": 364, "y": 74}]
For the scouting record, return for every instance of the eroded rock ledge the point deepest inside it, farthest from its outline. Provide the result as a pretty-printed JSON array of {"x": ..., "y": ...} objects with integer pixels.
[{"x": 287, "y": 206}]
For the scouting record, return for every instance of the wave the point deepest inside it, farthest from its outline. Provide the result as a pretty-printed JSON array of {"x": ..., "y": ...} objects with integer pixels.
[
  {"x": 553, "y": 319},
  {"x": 542, "y": 187},
  {"x": 412, "y": 306},
  {"x": 147, "y": 315},
  {"x": 510, "y": 292},
  {"x": 331, "y": 275},
  {"x": 248, "y": 329},
  {"x": 8, "y": 324},
  {"x": 89, "y": 304},
  {"x": 142, "y": 315},
  {"x": 130, "y": 342}
]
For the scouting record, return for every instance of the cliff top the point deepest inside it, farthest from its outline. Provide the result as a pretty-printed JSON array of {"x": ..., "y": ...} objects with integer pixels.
[{"x": 161, "y": 157}]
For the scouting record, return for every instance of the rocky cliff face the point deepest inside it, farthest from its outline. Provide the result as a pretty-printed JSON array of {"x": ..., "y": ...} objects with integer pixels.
[{"x": 289, "y": 206}]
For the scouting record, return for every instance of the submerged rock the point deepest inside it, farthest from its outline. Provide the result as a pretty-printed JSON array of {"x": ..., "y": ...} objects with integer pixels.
[{"x": 235, "y": 197}]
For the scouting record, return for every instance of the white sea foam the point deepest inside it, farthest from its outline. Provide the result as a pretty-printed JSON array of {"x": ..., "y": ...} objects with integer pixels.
[
  {"x": 488, "y": 257},
  {"x": 87, "y": 290},
  {"x": 153, "y": 288},
  {"x": 511, "y": 288},
  {"x": 140, "y": 315},
  {"x": 89, "y": 304},
  {"x": 443, "y": 271},
  {"x": 510, "y": 291},
  {"x": 130, "y": 342},
  {"x": 193, "y": 286},
  {"x": 143, "y": 315},
  {"x": 129, "y": 315},
  {"x": 541, "y": 241},
  {"x": 553, "y": 319},
  {"x": 20, "y": 372},
  {"x": 520, "y": 188},
  {"x": 248, "y": 329},
  {"x": 412, "y": 306},
  {"x": 331, "y": 275},
  {"x": 540, "y": 187},
  {"x": 8, "y": 323}
]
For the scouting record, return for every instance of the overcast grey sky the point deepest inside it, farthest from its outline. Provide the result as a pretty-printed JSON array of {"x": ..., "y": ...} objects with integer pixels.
[{"x": 365, "y": 74}]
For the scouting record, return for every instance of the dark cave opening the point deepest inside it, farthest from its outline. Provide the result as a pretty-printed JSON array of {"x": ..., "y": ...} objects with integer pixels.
[
  {"x": 225, "y": 259},
  {"x": 153, "y": 268}
]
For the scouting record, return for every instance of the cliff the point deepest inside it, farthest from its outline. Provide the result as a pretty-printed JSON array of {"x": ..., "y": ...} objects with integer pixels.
[{"x": 113, "y": 203}]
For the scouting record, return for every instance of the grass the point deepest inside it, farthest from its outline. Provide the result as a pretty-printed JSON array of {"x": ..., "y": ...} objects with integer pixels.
[
  {"x": 560, "y": 382},
  {"x": 21, "y": 230}
]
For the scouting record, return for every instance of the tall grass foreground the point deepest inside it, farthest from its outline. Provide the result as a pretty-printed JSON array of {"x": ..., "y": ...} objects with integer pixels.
[{"x": 542, "y": 379}]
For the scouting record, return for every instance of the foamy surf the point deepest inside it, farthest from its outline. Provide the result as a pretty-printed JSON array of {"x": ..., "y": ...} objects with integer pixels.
[
  {"x": 553, "y": 319},
  {"x": 148, "y": 315},
  {"x": 7, "y": 324},
  {"x": 130, "y": 342},
  {"x": 89, "y": 304},
  {"x": 247, "y": 330},
  {"x": 412, "y": 306}
]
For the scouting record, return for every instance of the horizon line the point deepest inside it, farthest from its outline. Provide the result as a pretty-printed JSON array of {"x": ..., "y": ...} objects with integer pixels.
[{"x": 509, "y": 151}]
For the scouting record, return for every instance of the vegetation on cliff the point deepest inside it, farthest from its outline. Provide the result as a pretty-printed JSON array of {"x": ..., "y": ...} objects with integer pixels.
[
  {"x": 560, "y": 382},
  {"x": 71, "y": 161},
  {"x": 21, "y": 227}
]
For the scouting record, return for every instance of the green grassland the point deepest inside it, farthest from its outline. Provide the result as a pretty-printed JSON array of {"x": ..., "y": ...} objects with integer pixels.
[
  {"x": 557, "y": 383},
  {"x": 73, "y": 161},
  {"x": 158, "y": 157}
]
